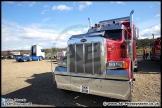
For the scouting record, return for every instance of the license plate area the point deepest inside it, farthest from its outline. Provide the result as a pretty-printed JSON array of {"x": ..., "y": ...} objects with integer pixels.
[{"x": 84, "y": 89}]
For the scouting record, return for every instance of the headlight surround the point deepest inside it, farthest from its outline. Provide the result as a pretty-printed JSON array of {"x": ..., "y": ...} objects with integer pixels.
[{"x": 116, "y": 64}]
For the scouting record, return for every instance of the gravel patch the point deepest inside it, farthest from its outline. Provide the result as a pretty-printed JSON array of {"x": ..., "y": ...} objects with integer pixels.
[{"x": 33, "y": 81}]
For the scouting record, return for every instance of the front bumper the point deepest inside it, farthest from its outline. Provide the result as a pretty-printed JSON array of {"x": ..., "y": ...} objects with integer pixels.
[{"x": 106, "y": 87}]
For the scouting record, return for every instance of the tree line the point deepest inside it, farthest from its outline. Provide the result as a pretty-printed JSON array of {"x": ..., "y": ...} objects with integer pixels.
[
  {"x": 54, "y": 50},
  {"x": 141, "y": 43}
]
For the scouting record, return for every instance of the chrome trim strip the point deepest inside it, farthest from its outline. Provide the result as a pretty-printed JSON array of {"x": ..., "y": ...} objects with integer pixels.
[
  {"x": 116, "y": 19},
  {"x": 68, "y": 56},
  {"x": 92, "y": 59},
  {"x": 94, "y": 77},
  {"x": 84, "y": 58},
  {"x": 111, "y": 27},
  {"x": 75, "y": 60},
  {"x": 117, "y": 74}
]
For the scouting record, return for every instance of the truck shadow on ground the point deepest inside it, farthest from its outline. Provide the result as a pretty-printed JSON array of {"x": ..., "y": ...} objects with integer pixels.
[
  {"x": 23, "y": 62},
  {"x": 149, "y": 67},
  {"x": 42, "y": 91},
  {"x": 53, "y": 61}
]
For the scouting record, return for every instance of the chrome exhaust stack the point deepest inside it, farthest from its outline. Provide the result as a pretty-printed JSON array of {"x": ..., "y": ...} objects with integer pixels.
[{"x": 89, "y": 23}]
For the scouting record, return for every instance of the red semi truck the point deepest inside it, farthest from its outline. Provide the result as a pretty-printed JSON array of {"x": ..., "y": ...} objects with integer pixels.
[
  {"x": 102, "y": 61},
  {"x": 155, "y": 53}
]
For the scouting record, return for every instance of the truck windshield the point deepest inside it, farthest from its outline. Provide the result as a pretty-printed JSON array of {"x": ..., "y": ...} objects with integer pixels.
[{"x": 113, "y": 34}]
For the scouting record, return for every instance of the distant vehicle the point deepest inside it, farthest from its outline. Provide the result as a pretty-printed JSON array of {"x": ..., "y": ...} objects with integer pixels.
[
  {"x": 12, "y": 54},
  {"x": 36, "y": 54},
  {"x": 155, "y": 53},
  {"x": 3, "y": 57},
  {"x": 23, "y": 58}
]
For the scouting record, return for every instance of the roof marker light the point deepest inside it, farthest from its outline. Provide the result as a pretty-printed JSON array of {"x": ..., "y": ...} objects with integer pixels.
[
  {"x": 95, "y": 26},
  {"x": 103, "y": 25}
]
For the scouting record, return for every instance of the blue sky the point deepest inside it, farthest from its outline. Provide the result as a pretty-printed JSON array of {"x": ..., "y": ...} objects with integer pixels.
[{"x": 52, "y": 23}]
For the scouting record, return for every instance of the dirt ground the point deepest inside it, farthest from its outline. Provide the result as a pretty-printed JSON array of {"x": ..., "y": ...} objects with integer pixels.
[{"x": 33, "y": 81}]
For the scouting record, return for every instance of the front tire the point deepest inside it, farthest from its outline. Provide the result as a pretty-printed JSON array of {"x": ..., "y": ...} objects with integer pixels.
[
  {"x": 40, "y": 58},
  {"x": 30, "y": 59},
  {"x": 136, "y": 69},
  {"x": 135, "y": 66}
]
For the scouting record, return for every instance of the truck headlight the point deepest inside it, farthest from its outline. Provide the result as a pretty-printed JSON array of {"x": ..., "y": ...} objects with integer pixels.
[{"x": 117, "y": 64}]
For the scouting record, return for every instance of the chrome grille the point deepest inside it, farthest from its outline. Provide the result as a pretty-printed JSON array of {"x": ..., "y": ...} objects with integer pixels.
[
  {"x": 79, "y": 56},
  {"x": 97, "y": 55},
  {"x": 85, "y": 58},
  {"x": 72, "y": 57}
]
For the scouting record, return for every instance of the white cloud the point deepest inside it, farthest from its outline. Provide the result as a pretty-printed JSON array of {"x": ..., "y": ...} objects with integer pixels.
[
  {"x": 74, "y": 3},
  {"x": 62, "y": 7},
  {"x": 138, "y": 18},
  {"x": 83, "y": 5},
  {"x": 150, "y": 6},
  {"x": 16, "y": 36},
  {"x": 88, "y": 3},
  {"x": 70, "y": 32},
  {"x": 158, "y": 15},
  {"x": 24, "y": 3},
  {"x": 46, "y": 19},
  {"x": 31, "y": 3},
  {"x": 147, "y": 33},
  {"x": 44, "y": 11},
  {"x": 20, "y": 4},
  {"x": 118, "y": 2},
  {"x": 45, "y": 6},
  {"x": 147, "y": 23},
  {"x": 11, "y": 2}
]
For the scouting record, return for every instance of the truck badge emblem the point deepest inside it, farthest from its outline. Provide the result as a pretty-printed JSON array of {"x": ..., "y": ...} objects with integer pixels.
[{"x": 83, "y": 40}]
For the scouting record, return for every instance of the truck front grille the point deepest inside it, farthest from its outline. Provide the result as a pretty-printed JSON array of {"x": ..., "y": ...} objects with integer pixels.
[{"x": 85, "y": 58}]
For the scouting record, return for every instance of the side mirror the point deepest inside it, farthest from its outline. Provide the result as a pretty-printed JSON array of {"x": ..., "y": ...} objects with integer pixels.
[{"x": 42, "y": 50}]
